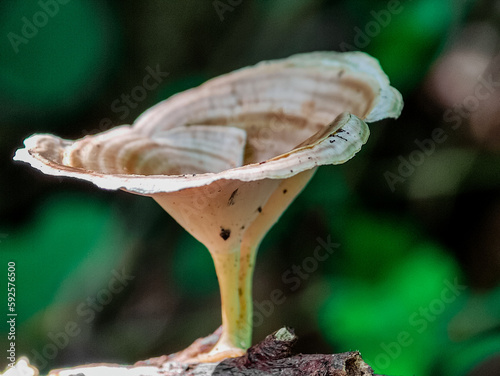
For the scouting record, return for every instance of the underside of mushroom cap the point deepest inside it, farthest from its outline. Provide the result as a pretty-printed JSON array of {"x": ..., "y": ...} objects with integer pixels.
[{"x": 247, "y": 125}]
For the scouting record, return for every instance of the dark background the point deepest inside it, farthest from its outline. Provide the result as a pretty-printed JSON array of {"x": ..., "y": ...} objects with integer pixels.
[{"x": 414, "y": 284}]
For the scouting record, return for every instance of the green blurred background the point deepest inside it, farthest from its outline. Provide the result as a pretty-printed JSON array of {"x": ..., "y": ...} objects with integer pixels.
[{"x": 108, "y": 276}]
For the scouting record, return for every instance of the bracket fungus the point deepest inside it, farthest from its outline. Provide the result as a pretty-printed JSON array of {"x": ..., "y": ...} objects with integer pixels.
[{"x": 225, "y": 159}]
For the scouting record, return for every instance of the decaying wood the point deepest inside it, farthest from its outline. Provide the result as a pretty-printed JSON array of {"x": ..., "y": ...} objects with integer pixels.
[{"x": 272, "y": 356}]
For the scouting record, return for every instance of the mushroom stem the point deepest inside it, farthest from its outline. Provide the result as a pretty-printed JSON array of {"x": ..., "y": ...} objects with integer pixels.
[
  {"x": 247, "y": 262},
  {"x": 219, "y": 216},
  {"x": 234, "y": 335}
]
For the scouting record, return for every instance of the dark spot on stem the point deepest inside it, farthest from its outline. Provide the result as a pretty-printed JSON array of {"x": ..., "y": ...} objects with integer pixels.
[
  {"x": 225, "y": 233},
  {"x": 285, "y": 191},
  {"x": 259, "y": 209}
]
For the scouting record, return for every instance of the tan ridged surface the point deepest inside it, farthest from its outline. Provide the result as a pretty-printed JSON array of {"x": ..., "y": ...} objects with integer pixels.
[
  {"x": 181, "y": 150},
  {"x": 234, "y": 121}
]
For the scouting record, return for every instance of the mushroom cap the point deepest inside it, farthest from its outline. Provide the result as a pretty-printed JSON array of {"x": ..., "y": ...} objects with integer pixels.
[{"x": 270, "y": 121}]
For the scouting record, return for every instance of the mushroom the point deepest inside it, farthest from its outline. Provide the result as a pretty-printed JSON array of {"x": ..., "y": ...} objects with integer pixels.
[{"x": 226, "y": 159}]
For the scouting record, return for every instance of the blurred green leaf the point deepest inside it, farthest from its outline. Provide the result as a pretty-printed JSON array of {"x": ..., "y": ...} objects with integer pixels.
[
  {"x": 375, "y": 240},
  {"x": 192, "y": 268},
  {"x": 57, "y": 56},
  {"x": 408, "y": 44},
  {"x": 69, "y": 233},
  {"x": 397, "y": 315}
]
